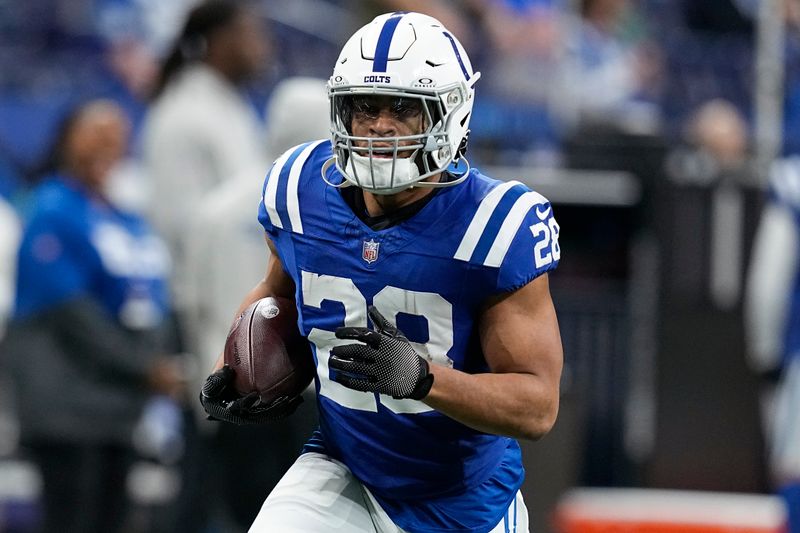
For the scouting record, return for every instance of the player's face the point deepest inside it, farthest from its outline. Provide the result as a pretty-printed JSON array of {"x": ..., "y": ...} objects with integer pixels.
[{"x": 387, "y": 116}]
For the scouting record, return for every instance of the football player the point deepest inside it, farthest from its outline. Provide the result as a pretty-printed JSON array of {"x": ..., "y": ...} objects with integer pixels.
[
  {"x": 772, "y": 319},
  {"x": 422, "y": 286}
]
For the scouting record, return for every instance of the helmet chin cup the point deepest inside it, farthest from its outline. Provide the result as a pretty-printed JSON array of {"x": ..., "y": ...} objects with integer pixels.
[
  {"x": 408, "y": 56},
  {"x": 381, "y": 175}
]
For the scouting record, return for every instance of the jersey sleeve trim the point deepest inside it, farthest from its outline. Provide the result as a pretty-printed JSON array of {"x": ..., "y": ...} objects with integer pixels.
[
  {"x": 281, "y": 195},
  {"x": 292, "y": 196},
  {"x": 271, "y": 191},
  {"x": 496, "y": 223},
  {"x": 511, "y": 225},
  {"x": 477, "y": 226}
]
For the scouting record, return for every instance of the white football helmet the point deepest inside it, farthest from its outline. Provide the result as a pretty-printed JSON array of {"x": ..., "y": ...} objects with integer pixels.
[{"x": 408, "y": 56}]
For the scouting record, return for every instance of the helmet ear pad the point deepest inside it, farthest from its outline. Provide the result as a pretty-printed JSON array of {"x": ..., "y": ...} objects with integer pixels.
[{"x": 426, "y": 155}]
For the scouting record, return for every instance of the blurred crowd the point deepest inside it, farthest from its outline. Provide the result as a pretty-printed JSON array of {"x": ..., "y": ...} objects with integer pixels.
[
  {"x": 549, "y": 66},
  {"x": 134, "y": 138}
]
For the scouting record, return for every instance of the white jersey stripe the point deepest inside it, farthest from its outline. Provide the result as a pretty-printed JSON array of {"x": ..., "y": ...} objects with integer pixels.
[
  {"x": 479, "y": 221},
  {"x": 792, "y": 181},
  {"x": 292, "y": 199},
  {"x": 510, "y": 227},
  {"x": 271, "y": 194}
]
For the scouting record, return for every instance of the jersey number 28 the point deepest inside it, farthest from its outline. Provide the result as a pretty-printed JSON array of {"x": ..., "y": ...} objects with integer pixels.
[{"x": 390, "y": 301}]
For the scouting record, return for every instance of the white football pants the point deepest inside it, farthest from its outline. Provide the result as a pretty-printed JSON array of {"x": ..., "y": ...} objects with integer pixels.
[{"x": 320, "y": 495}]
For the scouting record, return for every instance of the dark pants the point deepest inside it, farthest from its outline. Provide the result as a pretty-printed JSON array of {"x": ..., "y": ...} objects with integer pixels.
[
  {"x": 235, "y": 469},
  {"x": 252, "y": 461},
  {"x": 84, "y": 486}
]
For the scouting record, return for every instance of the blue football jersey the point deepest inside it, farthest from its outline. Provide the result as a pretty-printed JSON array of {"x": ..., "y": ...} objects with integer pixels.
[
  {"x": 784, "y": 190},
  {"x": 77, "y": 245},
  {"x": 430, "y": 274}
]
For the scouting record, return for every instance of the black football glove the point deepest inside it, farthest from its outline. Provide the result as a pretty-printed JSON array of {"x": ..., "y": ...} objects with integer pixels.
[
  {"x": 222, "y": 402},
  {"x": 385, "y": 363}
]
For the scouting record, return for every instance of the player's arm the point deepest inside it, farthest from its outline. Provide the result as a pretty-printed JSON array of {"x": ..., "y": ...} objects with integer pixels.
[
  {"x": 522, "y": 345},
  {"x": 276, "y": 282}
]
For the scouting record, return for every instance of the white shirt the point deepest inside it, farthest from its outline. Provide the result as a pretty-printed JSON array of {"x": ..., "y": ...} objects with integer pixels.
[
  {"x": 200, "y": 133},
  {"x": 227, "y": 256}
]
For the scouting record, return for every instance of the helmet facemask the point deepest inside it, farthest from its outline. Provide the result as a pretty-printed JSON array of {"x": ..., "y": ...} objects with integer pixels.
[{"x": 387, "y": 165}]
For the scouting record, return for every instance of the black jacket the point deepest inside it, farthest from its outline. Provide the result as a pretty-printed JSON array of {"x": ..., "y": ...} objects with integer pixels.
[{"x": 77, "y": 375}]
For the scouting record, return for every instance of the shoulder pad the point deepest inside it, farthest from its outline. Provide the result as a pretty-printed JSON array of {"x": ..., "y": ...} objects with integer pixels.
[
  {"x": 281, "y": 190},
  {"x": 496, "y": 223}
]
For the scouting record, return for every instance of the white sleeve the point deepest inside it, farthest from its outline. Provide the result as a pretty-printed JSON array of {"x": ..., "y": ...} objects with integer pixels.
[
  {"x": 772, "y": 273},
  {"x": 9, "y": 244},
  {"x": 226, "y": 257}
]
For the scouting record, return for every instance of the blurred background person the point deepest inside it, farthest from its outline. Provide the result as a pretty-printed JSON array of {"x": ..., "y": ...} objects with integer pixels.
[
  {"x": 9, "y": 240},
  {"x": 85, "y": 344},
  {"x": 297, "y": 112},
  {"x": 523, "y": 43},
  {"x": 612, "y": 69},
  {"x": 719, "y": 130},
  {"x": 10, "y": 235},
  {"x": 772, "y": 319},
  {"x": 201, "y": 129},
  {"x": 224, "y": 227}
]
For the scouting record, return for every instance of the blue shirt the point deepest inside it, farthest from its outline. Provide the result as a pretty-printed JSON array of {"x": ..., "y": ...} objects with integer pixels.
[
  {"x": 77, "y": 245},
  {"x": 431, "y": 275}
]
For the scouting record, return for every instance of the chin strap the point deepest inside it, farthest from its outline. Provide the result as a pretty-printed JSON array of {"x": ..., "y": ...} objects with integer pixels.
[
  {"x": 462, "y": 148},
  {"x": 327, "y": 165},
  {"x": 440, "y": 184},
  {"x": 454, "y": 169}
]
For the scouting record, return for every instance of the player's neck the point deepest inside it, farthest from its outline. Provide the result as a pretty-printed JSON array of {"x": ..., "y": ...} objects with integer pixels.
[{"x": 383, "y": 204}]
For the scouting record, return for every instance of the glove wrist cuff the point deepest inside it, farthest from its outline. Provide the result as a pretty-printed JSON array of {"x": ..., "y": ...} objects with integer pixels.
[{"x": 424, "y": 384}]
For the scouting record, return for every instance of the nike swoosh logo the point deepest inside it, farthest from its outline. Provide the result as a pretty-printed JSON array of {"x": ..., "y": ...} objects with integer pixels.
[{"x": 542, "y": 214}]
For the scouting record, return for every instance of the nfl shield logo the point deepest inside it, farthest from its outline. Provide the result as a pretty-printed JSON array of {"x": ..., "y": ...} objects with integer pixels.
[{"x": 369, "y": 252}]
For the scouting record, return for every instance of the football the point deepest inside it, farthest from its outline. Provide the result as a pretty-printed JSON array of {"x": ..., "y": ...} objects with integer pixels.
[{"x": 267, "y": 352}]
